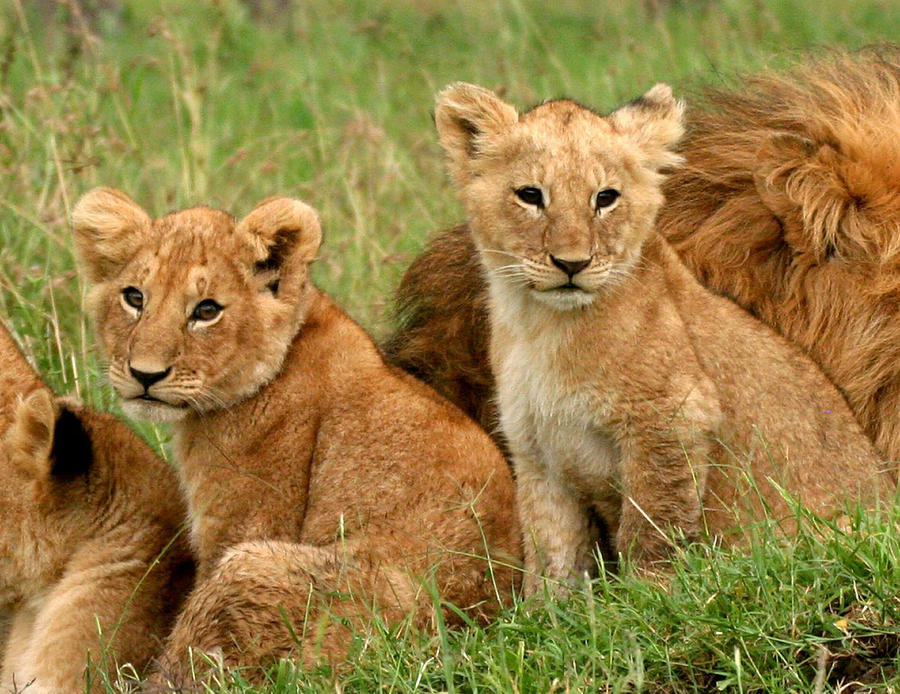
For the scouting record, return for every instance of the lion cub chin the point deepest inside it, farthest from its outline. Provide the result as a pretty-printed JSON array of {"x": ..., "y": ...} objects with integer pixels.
[
  {"x": 92, "y": 567},
  {"x": 628, "y": 393},
  {"x": 324, "y": 486}
]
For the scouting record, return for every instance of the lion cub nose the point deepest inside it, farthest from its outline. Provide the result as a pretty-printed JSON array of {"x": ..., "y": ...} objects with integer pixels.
[
  {"x": 570, "y": 267},
  {"x": 147, "y": 379}
]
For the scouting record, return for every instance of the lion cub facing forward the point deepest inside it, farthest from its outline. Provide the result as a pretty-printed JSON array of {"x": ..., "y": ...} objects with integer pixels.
[
  {"x": 626, "y": 390},
  {"x": 92, "y": 562},
  {"x": 321, "y": 482}
]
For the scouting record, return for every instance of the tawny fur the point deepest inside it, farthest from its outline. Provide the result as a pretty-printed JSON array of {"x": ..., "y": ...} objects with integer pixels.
[
  {"x": 789, "y": 204},
  {"x": 95, "y": 565},
  {"x": 325, "y": 486},
  {"x": 457, "y": 364},
  {"x": 626, "y": 390},
  {"x": 453, "y": 361},
  {"x": 17, "y": 378}
]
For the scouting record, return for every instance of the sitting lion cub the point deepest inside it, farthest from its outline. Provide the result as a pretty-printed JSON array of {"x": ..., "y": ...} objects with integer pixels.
[
  {"x": 91, "y": 565},
  {"x": 628, "y": 393},
  {"x": 320, "y": 480}
]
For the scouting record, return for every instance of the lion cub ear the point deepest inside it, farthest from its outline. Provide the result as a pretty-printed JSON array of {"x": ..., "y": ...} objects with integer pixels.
[
  {"x": 47, "y": 439},
  {"x": 109, "y": 229},
  {"x": 654, "y": 122},
  {"x": 467, "y": 116},
  {"x": 30, "y": 437},
  {"x": 285, "y": 236}
]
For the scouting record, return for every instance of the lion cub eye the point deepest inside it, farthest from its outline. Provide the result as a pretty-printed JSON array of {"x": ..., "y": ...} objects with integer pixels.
[
  {"x": 531, "y": 196},
  {"x": 206, "y": 311},
  {"x": 133, "y": 297},
  {"x": 606, "y": 198}
]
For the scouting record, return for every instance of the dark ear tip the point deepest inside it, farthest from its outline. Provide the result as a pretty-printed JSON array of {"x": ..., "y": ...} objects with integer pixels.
[
  {"x": 279, "y": 250},
  {"x": 72, "y": 452}
]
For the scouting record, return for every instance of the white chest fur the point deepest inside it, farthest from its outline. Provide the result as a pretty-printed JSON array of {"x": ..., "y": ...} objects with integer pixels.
[{"x": 549, "y": 408}]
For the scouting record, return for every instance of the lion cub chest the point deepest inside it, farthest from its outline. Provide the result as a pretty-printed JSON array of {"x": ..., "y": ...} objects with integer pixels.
[{"x": 555, "y": 418}]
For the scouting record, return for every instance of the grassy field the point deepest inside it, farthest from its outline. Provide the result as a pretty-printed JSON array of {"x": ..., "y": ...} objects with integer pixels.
[{"x": 225, "y": 103}]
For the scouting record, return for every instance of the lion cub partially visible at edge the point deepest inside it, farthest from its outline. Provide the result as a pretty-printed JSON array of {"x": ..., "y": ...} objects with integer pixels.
[
  {"x": 626, "y": 390},
  {"x": 91, "y": 561},
  {"x": 322, "y": 483}
]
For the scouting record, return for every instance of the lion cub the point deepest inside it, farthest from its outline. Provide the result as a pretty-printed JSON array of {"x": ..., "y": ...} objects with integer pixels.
[
  {"x": 322, "y": 483},
  {"x": 628, "y": 393},
  {"x": 91, "y": 564}
]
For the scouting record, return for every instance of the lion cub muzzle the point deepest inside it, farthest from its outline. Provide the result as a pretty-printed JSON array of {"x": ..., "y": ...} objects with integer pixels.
[{"x": 570, "y": 268}]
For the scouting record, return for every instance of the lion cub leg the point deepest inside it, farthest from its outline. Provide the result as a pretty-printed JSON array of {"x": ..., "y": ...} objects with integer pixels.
[
  {"x": 48, "y": 645},
  {"x": 267, "y": 600},
  {"x": 559, "y": 539},
  {"x": 664, "y": 465}
]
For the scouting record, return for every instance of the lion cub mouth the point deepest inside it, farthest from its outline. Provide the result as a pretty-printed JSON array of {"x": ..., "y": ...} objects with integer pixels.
[
  {"x": 565, "y": 297},
  {"x": 146, "y": 406}
]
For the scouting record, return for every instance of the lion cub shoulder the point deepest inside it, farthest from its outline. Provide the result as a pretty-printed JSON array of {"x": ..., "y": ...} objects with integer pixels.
[
  {"x": 93, "y": 568},
  {"x": 627, "y": 390}
]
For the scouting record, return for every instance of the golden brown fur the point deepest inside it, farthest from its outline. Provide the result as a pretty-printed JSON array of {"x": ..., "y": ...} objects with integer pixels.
[
  {"x": 443, "y": 293},
  {"x": 92, "y": 564},
  {"x": 625, "y": 388},
  {"x": 17, "y": 378},
  {"x": 454, "y": 362},
  {"x": 321, "y": 481},
  {"x": 789, "y": 204}
]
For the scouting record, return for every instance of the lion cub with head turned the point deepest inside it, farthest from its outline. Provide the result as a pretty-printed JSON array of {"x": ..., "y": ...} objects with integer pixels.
[
  {"x": 93, "y": 565},
  {"x": 627, "y": 392},
  {"x": 322, "y": 483}
]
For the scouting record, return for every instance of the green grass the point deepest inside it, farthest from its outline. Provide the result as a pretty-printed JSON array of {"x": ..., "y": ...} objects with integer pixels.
[
  {"x": 186, "y": 103},
  {"x": 815, "y": 614}
]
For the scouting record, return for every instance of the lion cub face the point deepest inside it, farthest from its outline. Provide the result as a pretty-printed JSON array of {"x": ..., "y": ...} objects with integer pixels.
[
  {"x": 195, "y": 310},
  {"x": 559, "y": 199}
]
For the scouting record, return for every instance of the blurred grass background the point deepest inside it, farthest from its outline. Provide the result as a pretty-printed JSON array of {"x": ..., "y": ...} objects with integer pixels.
[{"x": 227, "y": 102}]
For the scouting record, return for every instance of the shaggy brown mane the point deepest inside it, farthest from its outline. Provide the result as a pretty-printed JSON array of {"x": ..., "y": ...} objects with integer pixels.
[
  {"x": 821, "y": 139},
  {"x": 443, "y": 291}
]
